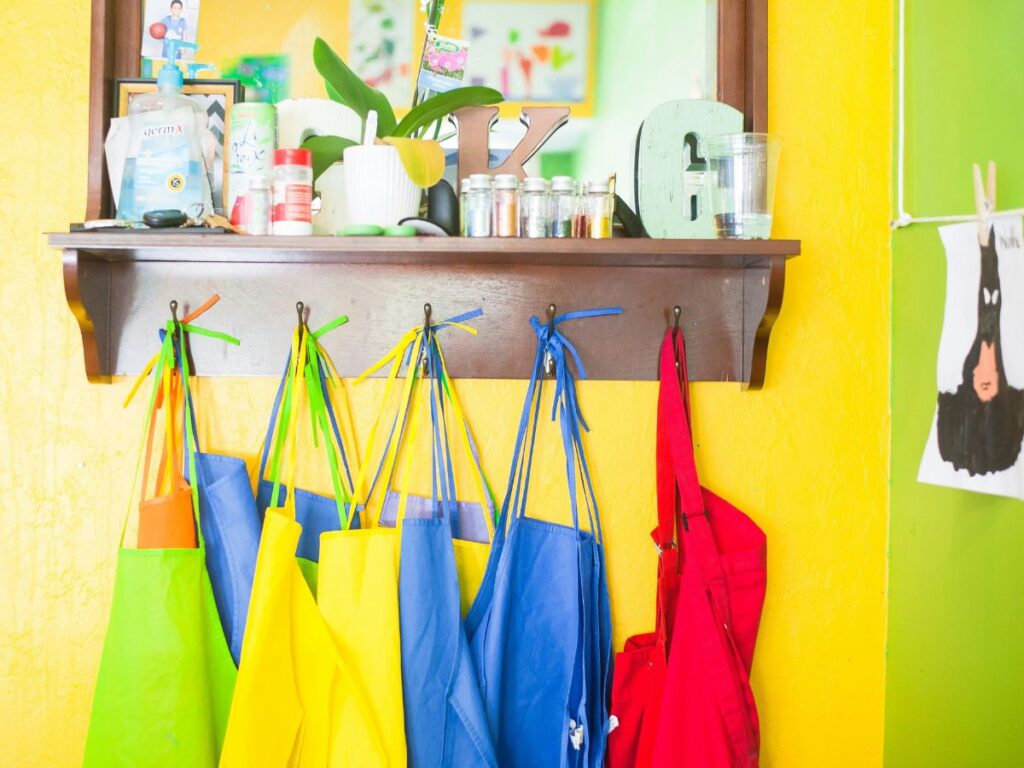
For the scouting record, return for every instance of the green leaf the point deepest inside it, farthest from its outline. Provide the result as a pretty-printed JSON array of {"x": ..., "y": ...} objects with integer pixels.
[
  {"x": 346, "y": 87},
  {"x": 326, "y": 150},
  {"x": 436, "y": 107},
  {"x": 422, "y": 160}
]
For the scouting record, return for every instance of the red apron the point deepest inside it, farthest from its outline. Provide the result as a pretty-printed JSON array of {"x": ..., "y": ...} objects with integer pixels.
[
  {"x": 693, "y": 705},
  {"x": 638, "y": 682}
]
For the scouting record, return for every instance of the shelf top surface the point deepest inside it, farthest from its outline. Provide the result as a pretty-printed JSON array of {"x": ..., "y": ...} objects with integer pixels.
[{"x": 161, "y": 246}]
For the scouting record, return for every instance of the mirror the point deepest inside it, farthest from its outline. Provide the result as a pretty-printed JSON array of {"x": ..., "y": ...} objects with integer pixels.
[{"x": 611, "y": 61}]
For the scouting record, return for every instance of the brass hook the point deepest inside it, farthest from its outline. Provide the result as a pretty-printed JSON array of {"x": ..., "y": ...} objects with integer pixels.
[
  {"x": 424, "y": 364},
  {"x": 677, "y": 312},
  {"x": 300, "y": 310},
  {"x": 549, "y": 360},
  {"x": 174, "y": 311}
]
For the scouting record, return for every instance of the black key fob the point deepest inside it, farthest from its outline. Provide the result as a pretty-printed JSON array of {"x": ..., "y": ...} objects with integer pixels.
[{"x": 162, "y": 219}]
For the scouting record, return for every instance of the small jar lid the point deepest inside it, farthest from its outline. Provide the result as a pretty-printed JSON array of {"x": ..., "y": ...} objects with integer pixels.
[
  {"x": 293, "y": 157},
  {"x": 506, "y": 181},
  {"x": 534, "y": 184},
  {"x": 563, "y": 184},
  {"x": 464, "y": 184},
  {"x": 480, "y": 181},
  {"x": 597, "y": 187}
]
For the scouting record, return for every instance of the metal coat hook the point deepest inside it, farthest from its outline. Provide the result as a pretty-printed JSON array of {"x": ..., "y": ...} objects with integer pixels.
[
  {"x": 549, "y": 359},
  {"x": 677, "y": 312},
  {"x": 424, "y": 360},
  {"x": 300, "y": 310},
  {"x": 174, "y": 317}
]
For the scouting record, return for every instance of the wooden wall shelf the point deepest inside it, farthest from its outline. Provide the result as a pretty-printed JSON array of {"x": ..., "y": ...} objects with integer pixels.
[{"x": 119, "y": 284}]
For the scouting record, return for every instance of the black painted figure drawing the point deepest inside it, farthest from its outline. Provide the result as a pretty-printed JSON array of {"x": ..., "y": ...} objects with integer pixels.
[{"x": 980, "y": 426}]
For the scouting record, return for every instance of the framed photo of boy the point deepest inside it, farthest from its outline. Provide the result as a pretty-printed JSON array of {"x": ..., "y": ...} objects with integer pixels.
[{"x": 215, "y": 97}]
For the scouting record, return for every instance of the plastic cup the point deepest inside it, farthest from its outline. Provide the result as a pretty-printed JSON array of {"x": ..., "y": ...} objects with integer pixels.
[{"x": 742, "y": 170}]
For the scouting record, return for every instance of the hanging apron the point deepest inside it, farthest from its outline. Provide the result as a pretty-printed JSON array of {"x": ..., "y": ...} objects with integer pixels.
[
  {"x": 296, "y": 702},
  {"x": 639, "y": 680},
  {"x": 472, "y": 522},
  {"x": 444, "y": 715},
  {"x": 315, "y": 513},
  {"x": 540, "y": 628},
  {"x": 166, "y": 675},
  {"x": 708, "y": 717},
  {"x": 230, "y": 523}
]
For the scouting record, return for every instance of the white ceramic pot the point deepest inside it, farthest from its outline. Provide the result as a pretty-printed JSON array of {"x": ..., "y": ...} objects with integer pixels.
[
  {"x": 377, "y": 188},
  {"x": 333, "y": 215}
]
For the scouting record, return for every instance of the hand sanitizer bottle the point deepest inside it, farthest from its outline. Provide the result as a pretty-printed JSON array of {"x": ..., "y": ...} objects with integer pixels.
[{"x": 164, "y": 166}]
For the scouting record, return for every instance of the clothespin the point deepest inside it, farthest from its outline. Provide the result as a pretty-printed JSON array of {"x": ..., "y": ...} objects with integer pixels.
[{"x": 985, "y": 200}]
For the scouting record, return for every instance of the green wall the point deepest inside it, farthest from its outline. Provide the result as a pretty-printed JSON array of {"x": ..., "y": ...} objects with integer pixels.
[{"x": 955, "y": 666}]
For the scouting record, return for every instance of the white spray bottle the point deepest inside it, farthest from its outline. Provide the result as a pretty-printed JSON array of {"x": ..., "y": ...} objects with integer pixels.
[{"x": 164, "y": 167}]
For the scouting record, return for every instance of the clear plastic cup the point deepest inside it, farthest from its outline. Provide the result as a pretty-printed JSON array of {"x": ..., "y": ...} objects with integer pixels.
[{"x": 742, "y": 170}]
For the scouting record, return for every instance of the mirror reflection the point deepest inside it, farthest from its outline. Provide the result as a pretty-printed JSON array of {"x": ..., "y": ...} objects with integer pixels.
[{"x": 610, "y": 61}]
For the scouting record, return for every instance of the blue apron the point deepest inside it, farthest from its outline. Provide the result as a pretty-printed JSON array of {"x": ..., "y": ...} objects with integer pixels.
[
  {"x": 316, "y": 513},
  {"x": 540, "y": 629},
  {"x": 445, "y": 720}
]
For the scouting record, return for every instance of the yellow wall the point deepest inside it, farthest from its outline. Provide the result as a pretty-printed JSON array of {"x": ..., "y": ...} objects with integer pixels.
[{"x": 807, "y": 457}]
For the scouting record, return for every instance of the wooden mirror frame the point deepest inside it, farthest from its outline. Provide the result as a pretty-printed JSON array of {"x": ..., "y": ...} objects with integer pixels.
[{"x": 115, "y": 53}]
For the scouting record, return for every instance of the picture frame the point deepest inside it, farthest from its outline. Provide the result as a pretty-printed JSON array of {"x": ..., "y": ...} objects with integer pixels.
[{"x": 216, "y": 97}]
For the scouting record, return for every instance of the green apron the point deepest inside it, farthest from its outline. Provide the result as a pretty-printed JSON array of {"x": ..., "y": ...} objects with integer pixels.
[{"x": 166, "y": 676}]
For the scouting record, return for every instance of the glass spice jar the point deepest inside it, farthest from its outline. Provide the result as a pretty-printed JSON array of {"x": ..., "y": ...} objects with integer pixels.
[
  {"x": 506, "y": 205},
  {"x": 600, "y": 208},
  {"x": 463, "y": 205},
  {"x": 579, "y": 227},
  {"x": 534, "y": 218},
  {"x": 258, "y": 211},
  {"x": 478, "y": 206},
  {"x": 564, "y": 206}
]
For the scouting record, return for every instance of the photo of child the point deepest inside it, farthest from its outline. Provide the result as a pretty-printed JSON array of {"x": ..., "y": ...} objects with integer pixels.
[{"x": 167, "y": 20}]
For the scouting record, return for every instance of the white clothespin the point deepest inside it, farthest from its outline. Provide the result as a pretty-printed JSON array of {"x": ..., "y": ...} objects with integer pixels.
[{"x": 985, "y": 200}]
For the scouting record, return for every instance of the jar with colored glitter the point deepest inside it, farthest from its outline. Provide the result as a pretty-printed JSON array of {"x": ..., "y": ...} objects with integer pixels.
[
  {"x": 564, "y": 206},
  {"x": 479, "y": 205},
  {"x": 534, "y": 219},
  {"x": 463, "y": 205},
  {"x": 600, "y": 208},
  {"x": 506, "y": 205}
]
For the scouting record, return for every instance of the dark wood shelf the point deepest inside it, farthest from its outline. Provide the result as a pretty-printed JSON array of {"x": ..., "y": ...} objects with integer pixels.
[
  {"x": 119, "y": 284},
  {"x": 624, "y": 252}
]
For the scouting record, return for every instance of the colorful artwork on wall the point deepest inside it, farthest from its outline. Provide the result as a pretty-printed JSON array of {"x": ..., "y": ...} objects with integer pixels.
[
  {"x": 381, "y": 46},
  {"x": 533, "y": 52},
  {"x": 976, "y": 435}
]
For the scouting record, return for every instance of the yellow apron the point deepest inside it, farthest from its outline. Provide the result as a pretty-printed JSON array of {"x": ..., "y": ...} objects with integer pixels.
[{"x": 297, "y": 701}]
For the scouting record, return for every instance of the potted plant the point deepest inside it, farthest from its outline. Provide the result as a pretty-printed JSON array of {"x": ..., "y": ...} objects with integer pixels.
[{"x": 385, "y": 175}]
